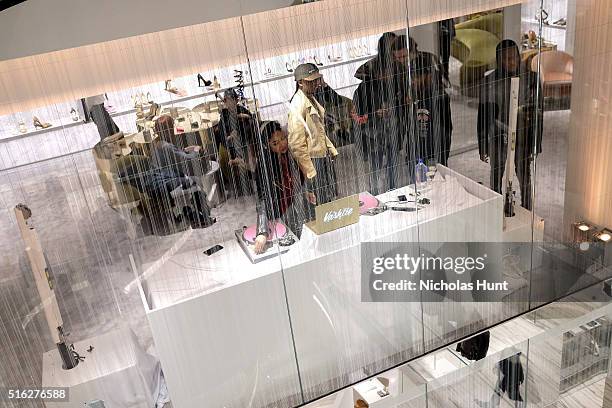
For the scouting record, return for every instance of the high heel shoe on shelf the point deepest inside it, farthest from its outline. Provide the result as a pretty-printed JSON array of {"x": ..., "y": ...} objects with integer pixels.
[
  {"x": 216, "y": 85},
  {"x": 154, "y": 110},
  {"x": 38, "y": 124},
  {"x": 203, "y": 82},
  {"x": 74, "y": 115},
  {"x": 21, "y": 126},
  {"x": 543, "y": 15},
  {"x": 316, "y": 61},
  {"x": 289, "y": 67},
  {"x": 174, "y": 89}
]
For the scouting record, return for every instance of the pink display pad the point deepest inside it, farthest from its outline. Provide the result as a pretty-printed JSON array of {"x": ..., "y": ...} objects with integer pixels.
[
  {"x": 249, "y": 232},
  {"x": 366, "y": 202}
]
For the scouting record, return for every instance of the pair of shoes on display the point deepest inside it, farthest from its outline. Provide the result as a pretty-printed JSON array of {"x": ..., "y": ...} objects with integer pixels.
[
  {"x": 358, "y": 51},
  {"x": 38, "y": 124},
  {"x": 203, "y": 82},
  {"x": 154, "y": 110},
  {"x": 21, "y": 126},
  {"x": 74, "y": 115},
  {"x": 292, "y": 66},
  {"x": 140, "y": 100},
  {"x": 174, "y": 89},
  {"x": 268, "y": 72},
  {"x": 560, "y": 22}
]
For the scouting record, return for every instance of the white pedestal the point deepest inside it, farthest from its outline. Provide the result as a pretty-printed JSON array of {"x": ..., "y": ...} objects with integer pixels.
[
  {"x": 117, "y": 372},
  {"x": 221, "y": 324}
]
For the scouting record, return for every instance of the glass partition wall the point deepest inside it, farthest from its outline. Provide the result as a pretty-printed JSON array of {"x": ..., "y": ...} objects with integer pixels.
[{"x": 247, "y": 201}]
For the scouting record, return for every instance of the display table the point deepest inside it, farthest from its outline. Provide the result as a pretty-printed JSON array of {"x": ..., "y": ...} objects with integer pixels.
[
  {"x": 221, "y": 324},
  {"x": 117, "y": 371}
]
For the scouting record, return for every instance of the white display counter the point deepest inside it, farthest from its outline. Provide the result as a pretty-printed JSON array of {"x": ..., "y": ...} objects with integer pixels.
[{"x": 221, "y": 324}]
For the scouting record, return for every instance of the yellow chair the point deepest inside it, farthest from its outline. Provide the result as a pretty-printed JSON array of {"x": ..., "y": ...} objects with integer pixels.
[{"x": 474, "y": 45}]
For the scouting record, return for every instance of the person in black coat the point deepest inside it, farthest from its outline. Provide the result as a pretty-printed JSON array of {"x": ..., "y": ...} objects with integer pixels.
[
  {"x": 375, "y": 102},
  {"x": 158, "y": 184},
  {"x": 493, "y": 120},
  {"x": 446, "y": 33},
  {"x": 431, "y": 124}
]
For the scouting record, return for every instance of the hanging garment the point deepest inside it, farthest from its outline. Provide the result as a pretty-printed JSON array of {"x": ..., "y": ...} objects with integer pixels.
[
  {"x": 512, "y": 377},
  {"x": 475, "y": 348}
]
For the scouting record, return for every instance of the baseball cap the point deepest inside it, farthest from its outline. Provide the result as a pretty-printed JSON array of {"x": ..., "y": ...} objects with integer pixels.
[{"x": 308, "y": 72}]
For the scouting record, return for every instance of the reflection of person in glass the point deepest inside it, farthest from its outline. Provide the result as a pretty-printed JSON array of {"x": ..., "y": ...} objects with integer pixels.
[
  {"x": 235, "y": 131},
  {"x": 510, "y": 378},
  {"x": 308, "y": 140},
  {"x": 493, "y": 120},
  {"x": 278, "y": 185}
]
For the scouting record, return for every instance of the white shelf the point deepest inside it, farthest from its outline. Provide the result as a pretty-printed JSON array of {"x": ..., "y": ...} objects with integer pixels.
[
  {"x": 183, "y": 99},
  {"x": 530, "y": 21}
]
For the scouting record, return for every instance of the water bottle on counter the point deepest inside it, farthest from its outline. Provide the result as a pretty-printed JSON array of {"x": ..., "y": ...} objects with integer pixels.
[{"x": 420, "y": 175}]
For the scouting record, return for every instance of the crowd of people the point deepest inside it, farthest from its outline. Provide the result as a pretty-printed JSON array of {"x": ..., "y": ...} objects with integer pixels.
[{"x": 401, "y": 113}]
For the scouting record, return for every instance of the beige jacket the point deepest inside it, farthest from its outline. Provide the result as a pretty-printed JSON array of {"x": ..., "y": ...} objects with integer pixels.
[{"x": 307, "y": 137}]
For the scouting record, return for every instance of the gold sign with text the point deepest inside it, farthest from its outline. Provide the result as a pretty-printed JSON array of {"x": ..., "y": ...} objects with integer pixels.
[{"x": 335, "y": 214}]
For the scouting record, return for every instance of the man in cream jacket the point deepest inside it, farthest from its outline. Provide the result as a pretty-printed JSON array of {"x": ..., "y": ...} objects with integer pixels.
[{"x": 308, "y": 141}]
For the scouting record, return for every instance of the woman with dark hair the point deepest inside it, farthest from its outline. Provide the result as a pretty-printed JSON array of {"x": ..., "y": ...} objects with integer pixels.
[
  {"x": 375, "y": 101},
  {"x": 494, "y": 114},
  {"x": 236, "y": 131},
  {"x": 279, "y": 183},
  {"x": 380, "y": 63}
]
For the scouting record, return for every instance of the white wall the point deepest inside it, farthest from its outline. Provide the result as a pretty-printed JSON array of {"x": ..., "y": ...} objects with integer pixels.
[
  {"x": 426, "y": 36},
  {"x": 512, "y": 23},
  {"x": 588, "y": 186},
  {"x": 38, "y": 26}
]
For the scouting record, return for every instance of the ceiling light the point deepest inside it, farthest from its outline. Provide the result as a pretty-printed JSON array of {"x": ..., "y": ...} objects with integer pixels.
[
  {"x": 604, "y": 235},
  {"x": 583, "y": 227}
]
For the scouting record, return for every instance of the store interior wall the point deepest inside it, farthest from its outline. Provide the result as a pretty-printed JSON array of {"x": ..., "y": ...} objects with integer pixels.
[
  {"x": 588, "y": 185},
  {"x": 426, "y": 36},
  {"x": 39, "y": 26},
  {"x": 512, "y": 23}
]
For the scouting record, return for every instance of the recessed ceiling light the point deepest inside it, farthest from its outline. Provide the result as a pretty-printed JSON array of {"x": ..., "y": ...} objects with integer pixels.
[{"x": 604, "y": 235}]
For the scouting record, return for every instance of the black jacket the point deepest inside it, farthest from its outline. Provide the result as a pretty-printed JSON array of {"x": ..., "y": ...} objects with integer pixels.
[
  {"x": 475, "y": 348},
  {"x": 379, "y": 89},
  {"x": 493, "y": 112},
  {"x": 245, "y": 129},
  {"x": 431, "y": 126},
  {"x": 512, "y": 376}
]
